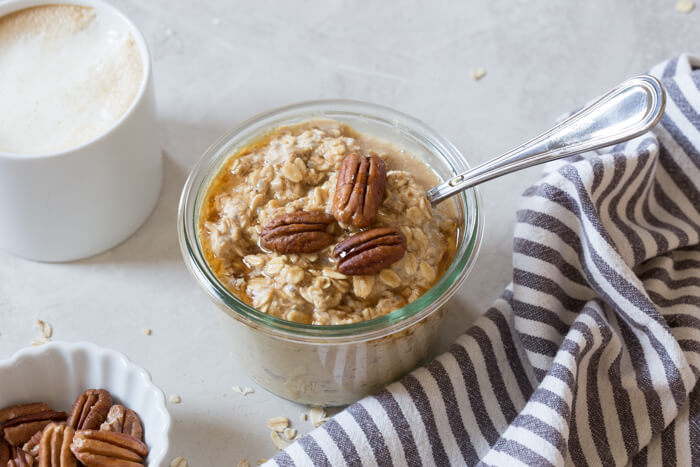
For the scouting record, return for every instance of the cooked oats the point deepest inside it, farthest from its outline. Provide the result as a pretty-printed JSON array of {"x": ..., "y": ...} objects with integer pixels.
[
  {"x": 390, "y": 278},
  {"x": 362, "y": 285},
  {"x": 295, "y": 168},
  {"x": 427, "y": 272}
]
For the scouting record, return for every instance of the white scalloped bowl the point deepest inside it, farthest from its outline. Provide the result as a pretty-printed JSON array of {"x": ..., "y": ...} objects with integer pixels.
[{"x": 57, "y": 372}]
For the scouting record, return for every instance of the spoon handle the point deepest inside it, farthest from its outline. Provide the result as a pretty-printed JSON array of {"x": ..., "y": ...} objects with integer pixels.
[{"x": 625, "y": 112}]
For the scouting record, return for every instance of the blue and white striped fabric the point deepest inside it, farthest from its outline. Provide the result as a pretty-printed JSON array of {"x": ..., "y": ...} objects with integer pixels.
[{"x": 592, "y": 354}]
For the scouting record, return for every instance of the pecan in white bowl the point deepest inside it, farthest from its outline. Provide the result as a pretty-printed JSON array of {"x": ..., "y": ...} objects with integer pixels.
[{"x": 57, "y": 372}]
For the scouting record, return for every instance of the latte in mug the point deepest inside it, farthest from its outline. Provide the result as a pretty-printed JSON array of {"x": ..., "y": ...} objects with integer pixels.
[{"x": 67, "y": 75}]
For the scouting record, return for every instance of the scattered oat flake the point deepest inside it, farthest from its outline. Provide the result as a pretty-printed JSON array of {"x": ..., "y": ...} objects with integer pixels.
[
  {"x": 478, "y": 73},
  {"x": 243, "y": 391},
  {"x": 278, "y": 424},
  {"x": 39, "y": 341},
  {"x": 304, "y": 417},
  {"x": 290, "y": 433},
  {"x": 179, "y": 462},
  {"x": 685, "y": 6},
  {"x": 317, "y": 415},
  {"x": 45, "y": 328},
  {"x": 243, "y": 463},
  {"x": 262, "y": 461},
  {"x": 278, "y": 441},
  {"x": 175, "y": 399},
  {"x": 147, "y": 331}
]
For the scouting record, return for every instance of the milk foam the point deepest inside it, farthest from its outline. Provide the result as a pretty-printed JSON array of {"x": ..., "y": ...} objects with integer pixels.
[{"x": 67, "y": 74}]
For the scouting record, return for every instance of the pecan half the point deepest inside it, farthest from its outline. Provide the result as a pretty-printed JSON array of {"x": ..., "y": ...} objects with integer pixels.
[
  {"x": 359, "y": 190},
  {"x": 122, "y": 420},
  {"x": 54, "y": 448},
  {"x": 20, "y": 430},
  {"x": 90, "y": 409},
  {"x": 15, "y": 411},
  {"x": 4, "y": 452},
  {"x": 370, "y": 251},
  {"x": 32, "y": 446},
  {"x": 108, "y": 448},
  {"x": 19, "y": 458},
  {"x": 298, "y": 232}
]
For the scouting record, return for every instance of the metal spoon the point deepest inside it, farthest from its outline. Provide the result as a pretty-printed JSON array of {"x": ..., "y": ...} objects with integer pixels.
[{"x": 625, "y": 112}]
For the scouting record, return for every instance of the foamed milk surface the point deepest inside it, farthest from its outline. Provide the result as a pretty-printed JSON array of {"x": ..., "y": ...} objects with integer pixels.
[{"x": 67, "y": 74}]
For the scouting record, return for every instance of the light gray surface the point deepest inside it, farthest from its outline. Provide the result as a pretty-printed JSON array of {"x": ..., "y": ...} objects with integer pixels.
[{"x": 217, "y": 63}]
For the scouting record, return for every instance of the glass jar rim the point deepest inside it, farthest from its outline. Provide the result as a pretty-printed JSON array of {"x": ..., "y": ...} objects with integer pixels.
[{"x": 194, "y": 189}]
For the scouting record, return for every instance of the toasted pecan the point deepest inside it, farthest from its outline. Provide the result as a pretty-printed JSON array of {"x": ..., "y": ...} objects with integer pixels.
[
  {"x": 20, "y": 410},
  {"x": 4, "y": 452},
  {"x": 20, "y": 458},
  {"x": 370, "y": 251},
  {"x": 123, "y": 420},
  {"x": 359, "y": 190},
  {"x": 54, "y": 448},
  {"x": 107, "y": 448},
  {"x": 21, "y": 429},
  {"x": 298, "y": 232},
  {"x": 90, "y": 409}
]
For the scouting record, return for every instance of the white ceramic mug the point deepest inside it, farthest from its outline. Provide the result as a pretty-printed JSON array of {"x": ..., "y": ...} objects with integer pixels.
[{"x": 82, "y": 201}]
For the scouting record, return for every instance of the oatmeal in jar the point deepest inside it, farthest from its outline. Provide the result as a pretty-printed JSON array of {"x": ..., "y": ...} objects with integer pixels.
[{"x": 316, "y": 223}]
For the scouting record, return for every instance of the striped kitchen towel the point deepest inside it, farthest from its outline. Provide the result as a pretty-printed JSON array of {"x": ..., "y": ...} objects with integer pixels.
[{"x": 591, "y": 355}]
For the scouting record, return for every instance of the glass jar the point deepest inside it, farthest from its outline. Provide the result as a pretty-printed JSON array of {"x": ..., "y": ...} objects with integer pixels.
[{"x": 335, "y": 364}]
